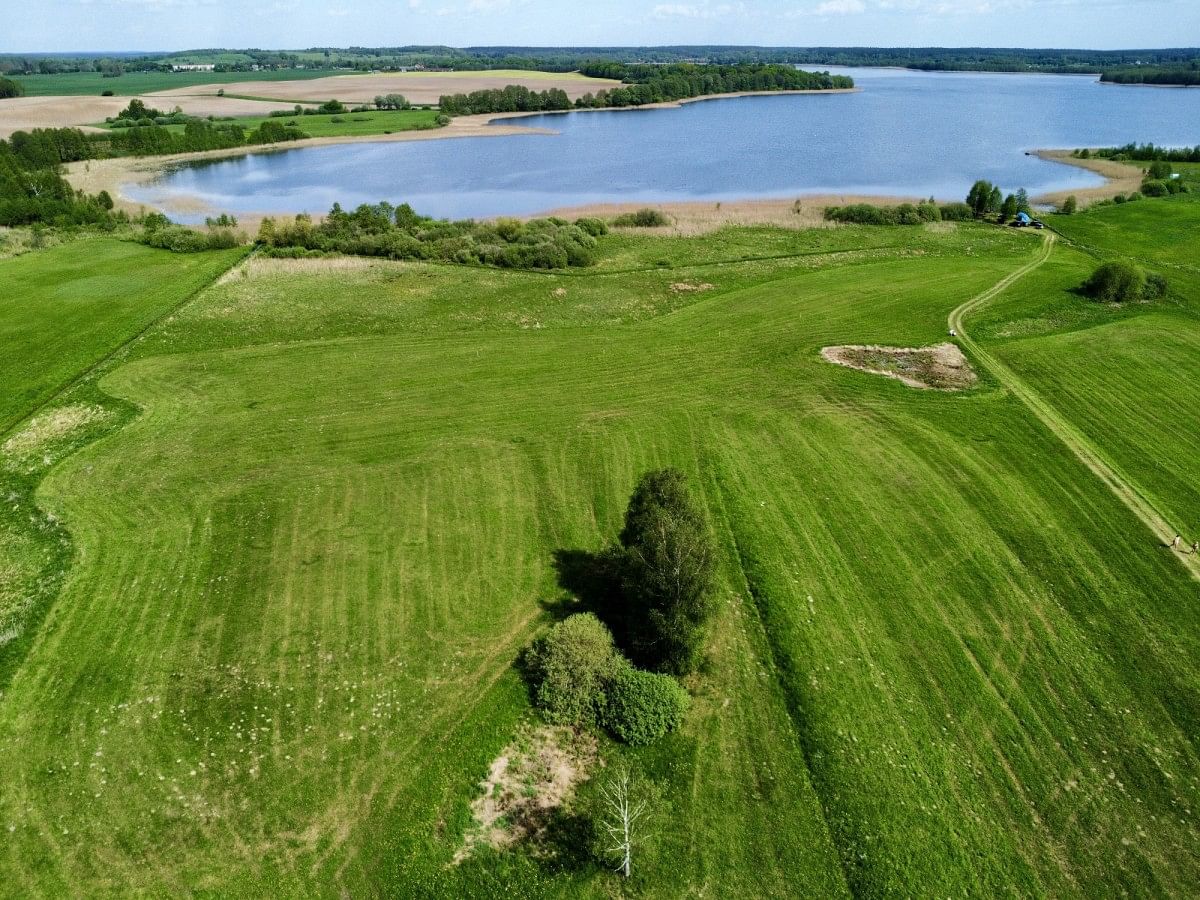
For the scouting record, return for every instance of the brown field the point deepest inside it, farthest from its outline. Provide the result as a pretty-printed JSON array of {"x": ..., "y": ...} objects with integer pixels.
[
  {"x": 419, "y": 87},
  {"x": 27, "y": 113}
]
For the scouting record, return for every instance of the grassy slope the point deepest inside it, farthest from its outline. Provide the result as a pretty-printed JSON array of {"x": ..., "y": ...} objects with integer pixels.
[
  {"x": 329, "y": 547},
  {"x": 1125, "y": 376},
  {"x": 63, "y": 310}
]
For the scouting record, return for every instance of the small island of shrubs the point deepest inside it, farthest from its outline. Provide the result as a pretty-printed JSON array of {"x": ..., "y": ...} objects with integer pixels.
[{"x": 658, "y": 584}]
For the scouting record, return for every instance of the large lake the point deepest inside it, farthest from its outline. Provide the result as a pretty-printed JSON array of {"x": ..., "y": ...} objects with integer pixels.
[{"x": 905, "y": 133}]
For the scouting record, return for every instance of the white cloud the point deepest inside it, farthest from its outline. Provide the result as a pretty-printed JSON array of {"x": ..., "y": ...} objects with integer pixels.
[{"x": 841, "y": 7}]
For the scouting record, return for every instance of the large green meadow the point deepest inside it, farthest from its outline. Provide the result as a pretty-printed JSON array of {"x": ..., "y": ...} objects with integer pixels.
[{"x": 269, "y": 595}]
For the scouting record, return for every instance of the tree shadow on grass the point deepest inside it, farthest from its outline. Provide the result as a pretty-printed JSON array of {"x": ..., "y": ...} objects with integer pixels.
[{"x": 594, "y": 580}]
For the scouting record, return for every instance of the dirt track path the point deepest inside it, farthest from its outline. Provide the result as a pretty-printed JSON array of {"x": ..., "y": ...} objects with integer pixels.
[{"x": 1124, "y": 489}]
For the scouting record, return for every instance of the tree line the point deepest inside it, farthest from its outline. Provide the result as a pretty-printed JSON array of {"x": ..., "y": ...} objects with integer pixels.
[
  {"x": 1142, "y": 153},
  {"x": 400, "y": 233},
  {"x": 643, "y": 85},
  {"x": 567, "y": 59},
  {"x": 1185, "y": 75}
]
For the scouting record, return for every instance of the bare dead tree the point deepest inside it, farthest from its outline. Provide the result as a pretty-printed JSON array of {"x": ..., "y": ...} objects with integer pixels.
[{"x": 622, "y": 813}]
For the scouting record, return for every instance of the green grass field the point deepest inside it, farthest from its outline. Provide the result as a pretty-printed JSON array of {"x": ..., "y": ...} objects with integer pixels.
[
  {"x": 346, "y": 124},
  {"x": 299, "y": 564},
  {"x": 133, "y": 83}
]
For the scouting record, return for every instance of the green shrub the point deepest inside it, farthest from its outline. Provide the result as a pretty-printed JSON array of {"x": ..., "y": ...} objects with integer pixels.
[
  {"x": 178, "y": 239},
  {"x": 571, "y": 668},
  {"x": 1156, "y": 286},
  {"x": 1116, "y": 282},
  {"x": 956, "y": 212},
  {"x": 442, "y": 120},
  {"x": 10, "y": 88},
  {"x": 643, "y": 706},
  {"x": 1159, "y": 170},
  {"x": 643, "y": 218},
  {"x": 1155, "y": 189},
  {"x": 593, "y": 226},
  {"x": 1070, "y": 205}
]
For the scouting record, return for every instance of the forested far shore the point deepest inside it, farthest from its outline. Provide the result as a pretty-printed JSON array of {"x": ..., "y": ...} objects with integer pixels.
[
  {"x": 646, "y": 84},
  {"x": 567, "y": 59}
]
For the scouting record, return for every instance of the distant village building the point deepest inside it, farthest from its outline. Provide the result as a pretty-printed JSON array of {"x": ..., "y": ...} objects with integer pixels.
[{"x": 208, "y": 67}]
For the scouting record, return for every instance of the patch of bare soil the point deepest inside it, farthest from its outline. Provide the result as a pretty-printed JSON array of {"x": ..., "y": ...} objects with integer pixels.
[
  {"x": 691, "y": 287},
  {"x": 942, "y": 367},
  {"x": 535, "y": 775}
]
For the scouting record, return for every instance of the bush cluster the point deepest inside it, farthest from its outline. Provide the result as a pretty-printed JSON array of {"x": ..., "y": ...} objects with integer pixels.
[
  {"x": 903, "y": 214},
  {"x": 579, "y": 678},
  {"x": 159, "y": 233},
  {"x": 10, "y": 88},
  {"x": 1120, "y": 281},
  {"x": 642, "y": 218},
  {"x": 399, "y": 233}
]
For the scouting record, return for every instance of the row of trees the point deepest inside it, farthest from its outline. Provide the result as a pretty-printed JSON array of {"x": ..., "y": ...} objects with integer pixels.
[
  {"x": 1182, "y": 75},
  {"x": 1142, "y": 153},
  {"x": 513, "y": 98},
  {"x": 903, "y": 214},
  {"x": 986, "y": 199},
  {"x": 392, "y": 101},
  {"x": 399, "y": 233},
  {"x": 643, "y": 85},
  {"x": 45, "y": 147}
]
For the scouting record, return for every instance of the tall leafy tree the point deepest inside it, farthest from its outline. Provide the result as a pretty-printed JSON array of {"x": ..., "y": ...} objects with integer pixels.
[{"x": 668, "y": 572}]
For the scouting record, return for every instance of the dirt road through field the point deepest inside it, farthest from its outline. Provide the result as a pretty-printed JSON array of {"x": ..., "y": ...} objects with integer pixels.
[{"x": 1124, "y": 489}]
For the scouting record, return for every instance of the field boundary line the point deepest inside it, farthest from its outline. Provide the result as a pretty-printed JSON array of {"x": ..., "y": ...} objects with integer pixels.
[
  {"x": 1074, "y": 439},
  {"x": 79, "y": 377}
]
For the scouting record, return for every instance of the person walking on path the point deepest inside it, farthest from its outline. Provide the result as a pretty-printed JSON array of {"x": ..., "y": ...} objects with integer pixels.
[
  {"x": 1175, "y": 543},
  {"x": 1195, "y": 546}
]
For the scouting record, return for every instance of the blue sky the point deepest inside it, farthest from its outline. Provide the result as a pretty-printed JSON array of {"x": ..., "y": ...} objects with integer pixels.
[{"x": 63, "y": 25}]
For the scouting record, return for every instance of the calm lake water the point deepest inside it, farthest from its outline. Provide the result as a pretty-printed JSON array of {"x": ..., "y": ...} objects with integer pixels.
[{"x": 905, "y": 133}]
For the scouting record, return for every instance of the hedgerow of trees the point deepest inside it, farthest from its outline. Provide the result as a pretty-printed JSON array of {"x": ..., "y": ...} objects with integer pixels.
[
  {"x": 644, "y": 84},
  {"x": 399, "y": 233},
  {"x": 1184, "y": 75},
  {"x": 1142, "y": 153}
]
